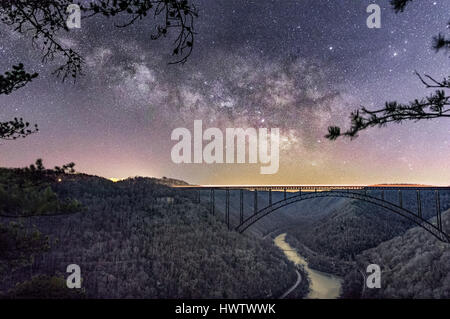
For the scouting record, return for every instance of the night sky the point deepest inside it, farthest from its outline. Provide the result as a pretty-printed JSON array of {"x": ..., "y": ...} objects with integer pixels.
[{"x": 298, "y": 65}]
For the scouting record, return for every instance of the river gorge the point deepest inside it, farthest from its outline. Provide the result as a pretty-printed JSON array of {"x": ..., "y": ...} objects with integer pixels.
[{"x": 322, "y": 285}]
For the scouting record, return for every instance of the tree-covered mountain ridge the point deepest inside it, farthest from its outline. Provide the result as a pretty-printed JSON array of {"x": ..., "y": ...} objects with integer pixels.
[
  {"x": 414, "y": 265},
  {"x": 139, "y": 238}
]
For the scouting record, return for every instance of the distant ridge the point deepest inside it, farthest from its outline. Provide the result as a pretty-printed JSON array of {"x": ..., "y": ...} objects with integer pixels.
[
  {"x": 400, "y": 185},
  {"x": 78, "y": 176},
  {"x": 166, "y": 181},
  {"x": 172, "y": 181}
]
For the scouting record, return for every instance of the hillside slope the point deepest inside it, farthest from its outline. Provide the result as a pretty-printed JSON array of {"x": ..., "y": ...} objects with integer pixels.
[
  {"x": 414, "y": 265},
  {"x": 140, "y": 239}
]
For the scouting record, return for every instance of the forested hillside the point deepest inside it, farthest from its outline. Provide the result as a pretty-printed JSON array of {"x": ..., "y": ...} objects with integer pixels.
[
  {"x": 141, "y": 239},
  {"x": 413, "y": 265},
  {"x": 332, "y": 242},
  {"x": 331, "y": 232}
]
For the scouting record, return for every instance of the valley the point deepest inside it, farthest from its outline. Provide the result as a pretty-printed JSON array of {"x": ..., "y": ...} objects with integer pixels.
[{"x": 141, "y": 238}]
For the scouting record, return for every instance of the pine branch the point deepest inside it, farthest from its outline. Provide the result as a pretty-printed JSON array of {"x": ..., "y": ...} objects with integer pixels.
[
  {"x": 15, "y": 129},
  {"x": 435, "y": 106},
  {"x": 15, "y": 79}
]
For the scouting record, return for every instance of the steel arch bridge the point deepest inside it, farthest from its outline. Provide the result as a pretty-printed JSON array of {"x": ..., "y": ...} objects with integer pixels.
[{"x": 303, "y": 193}]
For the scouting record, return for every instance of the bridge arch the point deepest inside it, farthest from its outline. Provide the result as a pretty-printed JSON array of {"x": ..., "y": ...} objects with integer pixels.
[{"x": 425, "y": 224}]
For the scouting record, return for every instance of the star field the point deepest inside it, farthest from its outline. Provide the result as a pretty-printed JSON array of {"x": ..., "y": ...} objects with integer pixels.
[{"x": 297, "y": 65}]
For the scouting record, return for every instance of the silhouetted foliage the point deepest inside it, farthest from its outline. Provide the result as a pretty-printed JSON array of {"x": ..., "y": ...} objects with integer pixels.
[
  {"x": 9, "y": 82},
  {"x": 177, "y": 14},
  {"x": 15, "y": 79},
  {"x": 399, "y": 5},
  {"x": 28, "y": 191},
  {"x": 44, "y": 19},
  {"x": 437, "y": 105},
  {"x": 16, "y": 128}
]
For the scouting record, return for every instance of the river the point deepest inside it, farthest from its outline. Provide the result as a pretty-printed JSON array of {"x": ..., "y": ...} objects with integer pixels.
[{"x": 322, "y": 285}]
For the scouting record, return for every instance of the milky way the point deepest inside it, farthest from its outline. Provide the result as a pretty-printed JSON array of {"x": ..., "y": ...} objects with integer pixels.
[{"x": 296, "y": 65}]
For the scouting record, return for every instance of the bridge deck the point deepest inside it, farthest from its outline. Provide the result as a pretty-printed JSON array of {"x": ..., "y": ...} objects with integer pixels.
[
  {"x": 313, "y": 187},
  {"x": 304, "y": 192}
]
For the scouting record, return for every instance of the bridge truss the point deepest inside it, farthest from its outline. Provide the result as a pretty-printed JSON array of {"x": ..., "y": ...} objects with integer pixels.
[{"x": 296, "y": 193}]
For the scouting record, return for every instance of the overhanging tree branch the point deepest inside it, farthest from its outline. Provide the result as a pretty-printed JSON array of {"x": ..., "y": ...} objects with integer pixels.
[
  {"x": 434, "y": 106},
  {"x": 15, "y": 129},
  {"x": 15, "y": 79},
  {"x": 437, "y": 105},
  {"x": 44, "y": 19},
  {"x": 10, "y": 81},
  {"x": 399, "y": 5}
]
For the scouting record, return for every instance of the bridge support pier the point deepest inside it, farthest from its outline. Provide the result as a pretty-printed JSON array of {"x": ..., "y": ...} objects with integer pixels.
[
  {"x": 255, "y": 203},
  {"x": 212, "y": 201},
  {"x": 241, "y": 206},
  {"x": 284, "y": 194},
  {"x": 227, "y": 208},
  {"x": 400, "y": 199},
  {"x": 270, "y": 197},
  {"x": 438, "y": 211},
  {"x": 419, "y": 205}
]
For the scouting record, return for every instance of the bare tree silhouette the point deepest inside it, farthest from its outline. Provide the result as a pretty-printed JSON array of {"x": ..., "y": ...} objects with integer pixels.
[
  {"x": 43, "y": 20},
  {"x": 436, "y": 105},
  {"x": 9, "y": 82}
]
